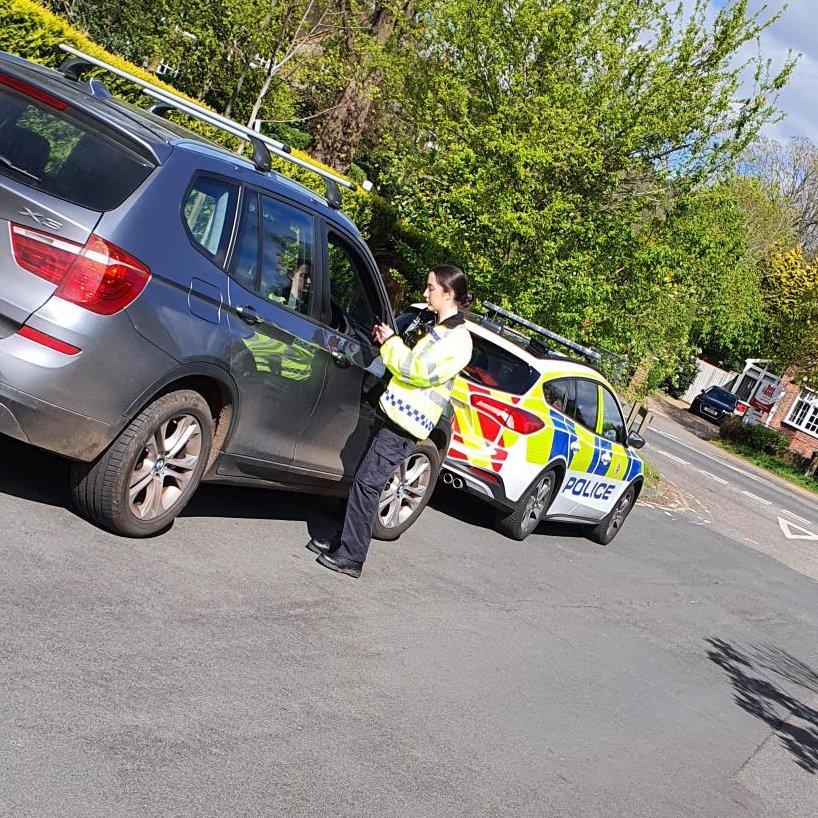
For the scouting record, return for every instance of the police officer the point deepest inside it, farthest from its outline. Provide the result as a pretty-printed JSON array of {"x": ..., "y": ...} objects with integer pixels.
[{"x": 409, "y": 408}]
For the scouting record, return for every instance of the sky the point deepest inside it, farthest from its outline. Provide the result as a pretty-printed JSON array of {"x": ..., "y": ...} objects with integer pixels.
[{"x": 795, "y": 32}]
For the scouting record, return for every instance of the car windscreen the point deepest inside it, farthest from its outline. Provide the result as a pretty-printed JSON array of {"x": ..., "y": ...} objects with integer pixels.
[
  {"x": 497, "y": 368},
  {"x": 46, "y": 145},
  {"x": 722, "y": 395}
]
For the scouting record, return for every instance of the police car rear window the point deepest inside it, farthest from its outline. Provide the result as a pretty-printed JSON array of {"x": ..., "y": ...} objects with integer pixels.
[
  {"x": 51, "y": 149},
  {"x": 496, "y": 368}
]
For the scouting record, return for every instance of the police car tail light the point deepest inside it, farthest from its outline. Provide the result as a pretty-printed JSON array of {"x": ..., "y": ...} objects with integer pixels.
[
  {"x": 98, "y": 275},
  {"x": 512, "y": 417}
]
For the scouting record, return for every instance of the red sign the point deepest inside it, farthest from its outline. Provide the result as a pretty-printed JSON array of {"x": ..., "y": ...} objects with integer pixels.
[{"x": 764, "y": 399}]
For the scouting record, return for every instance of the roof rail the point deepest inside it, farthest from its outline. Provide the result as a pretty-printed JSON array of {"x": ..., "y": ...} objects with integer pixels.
[
  {"x": 500, "y": 313},
  {"x": 80, "y": 61}
]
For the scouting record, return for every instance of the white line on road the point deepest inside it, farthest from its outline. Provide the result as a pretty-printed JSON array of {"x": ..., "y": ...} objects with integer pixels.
[
  {"x": 801, "y": 519},
  {"x": 756, "y": 497},
  {"x": 673, "y": 457},
  {"x": 794, "y": 532},
  {"x": 713, "y": 476},
  {"x": 715, "y": 459}
]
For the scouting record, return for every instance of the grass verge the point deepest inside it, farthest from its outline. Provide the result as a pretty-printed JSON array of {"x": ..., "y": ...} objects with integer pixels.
[
  {"x": 770, "y": 463},
  {"x": 652, "y": 476}
]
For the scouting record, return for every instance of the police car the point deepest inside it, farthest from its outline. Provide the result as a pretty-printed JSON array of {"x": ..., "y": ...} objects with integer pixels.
[{"x": 540, "y": 435}]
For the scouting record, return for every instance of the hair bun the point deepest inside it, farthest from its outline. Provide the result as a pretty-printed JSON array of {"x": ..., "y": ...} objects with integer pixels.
[{"x": 465, "y": 301}]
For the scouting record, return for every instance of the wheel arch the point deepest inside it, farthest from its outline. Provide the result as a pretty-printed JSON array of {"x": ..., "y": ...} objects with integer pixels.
[
  {"x": 559, "y": 464},
  {"x": 213, "y": 383}
]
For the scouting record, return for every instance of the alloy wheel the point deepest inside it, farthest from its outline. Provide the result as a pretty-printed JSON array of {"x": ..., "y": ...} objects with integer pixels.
[
  {"x": 165, "y": 467},
  {"x": 537, "y": 502},
  {"x": 404, "y": 492}
]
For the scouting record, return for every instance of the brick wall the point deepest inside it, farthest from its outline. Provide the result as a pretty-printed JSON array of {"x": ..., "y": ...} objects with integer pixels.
[{"x": 800, "y": 441}]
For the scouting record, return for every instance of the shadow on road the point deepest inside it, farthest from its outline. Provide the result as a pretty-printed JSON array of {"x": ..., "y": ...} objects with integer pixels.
[
  {"x": 677, "y": 411},
  {"x": 41, "y": 477},
  {"x": 239, "y": 502},
  {"x": 753, "y": 675},
  {"x": 32, "y": 474},
  {"x": 471, "y": 510},
  {"x": 35, "y": 475}
]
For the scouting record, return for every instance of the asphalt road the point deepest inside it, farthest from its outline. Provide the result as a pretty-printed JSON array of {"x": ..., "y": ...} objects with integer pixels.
[
  {"x": 725, "y": 493},
  {"x": 218, "y": 671}
]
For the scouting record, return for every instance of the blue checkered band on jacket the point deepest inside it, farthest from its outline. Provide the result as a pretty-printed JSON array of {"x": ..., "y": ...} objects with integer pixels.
[{"x": 409, "y": 411}]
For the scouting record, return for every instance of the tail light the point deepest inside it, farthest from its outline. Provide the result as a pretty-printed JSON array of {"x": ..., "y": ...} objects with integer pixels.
[
  {"x": 97, "y": 275},
  {"x": 512, "y": 417}
]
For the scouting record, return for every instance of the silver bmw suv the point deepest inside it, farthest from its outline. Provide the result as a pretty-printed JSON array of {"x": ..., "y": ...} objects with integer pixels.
[{"x": 171, "y": 312}]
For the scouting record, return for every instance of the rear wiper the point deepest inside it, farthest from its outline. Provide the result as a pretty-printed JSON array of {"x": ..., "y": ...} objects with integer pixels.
[{"x": 4, "y": 160}]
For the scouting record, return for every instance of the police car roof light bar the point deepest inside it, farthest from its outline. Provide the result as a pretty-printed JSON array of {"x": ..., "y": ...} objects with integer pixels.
[
  {"x": 200, "y": 112},
  {"x": 546, "y": 333}
]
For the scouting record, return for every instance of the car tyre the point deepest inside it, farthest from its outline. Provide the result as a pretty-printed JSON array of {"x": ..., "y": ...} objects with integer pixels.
[
  {"x": 406, "y": 493},
  {"x": 530, "y": 508},
  {"x": 141, "y": 482},
  {"x": 611, "y": 524}
]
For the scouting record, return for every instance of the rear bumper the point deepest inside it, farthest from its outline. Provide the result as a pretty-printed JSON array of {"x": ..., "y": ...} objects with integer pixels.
[
  {"x": 59, "y": 430},
  {"x": 720, "y": 414},
  {"x": 491, "y": 491}
]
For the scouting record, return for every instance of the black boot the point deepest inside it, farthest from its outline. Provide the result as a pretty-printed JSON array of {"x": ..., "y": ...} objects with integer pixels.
[
  {"x": 341, "y": 565},
  {"x": 318, "y": 545}
]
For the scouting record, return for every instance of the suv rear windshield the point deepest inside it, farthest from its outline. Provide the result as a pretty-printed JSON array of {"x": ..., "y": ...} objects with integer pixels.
[
  {"x": 54, "y": 150},
  {"x": 496, "y": 368},
  {"x": 723, "y": 395}
]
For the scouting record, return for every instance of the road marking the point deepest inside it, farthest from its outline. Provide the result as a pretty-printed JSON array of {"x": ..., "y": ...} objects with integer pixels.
[
  {"x": 787, "y": 511},
  {"x": 789, "y": 528},
  {"x": 716, "y": 460},
  {"x": 673, "y": 457},
  {"x": 713, "y": 476},
  {"x": 756, "y": 497}
]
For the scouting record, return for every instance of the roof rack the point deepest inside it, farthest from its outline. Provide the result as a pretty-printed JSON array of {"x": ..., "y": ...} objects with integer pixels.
[
  {"x": 500, "y": 315},
  {"x": 263, "y": 145}
]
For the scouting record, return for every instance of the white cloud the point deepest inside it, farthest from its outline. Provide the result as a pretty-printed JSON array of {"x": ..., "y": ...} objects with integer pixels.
[{"x": 794, "y": 31}]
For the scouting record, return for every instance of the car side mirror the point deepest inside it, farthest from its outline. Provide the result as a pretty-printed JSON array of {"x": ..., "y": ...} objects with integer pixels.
[{"x": 635, "y": 440}]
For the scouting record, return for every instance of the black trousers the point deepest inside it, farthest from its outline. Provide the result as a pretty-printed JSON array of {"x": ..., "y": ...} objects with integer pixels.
[{"x": 386, "y": 450}]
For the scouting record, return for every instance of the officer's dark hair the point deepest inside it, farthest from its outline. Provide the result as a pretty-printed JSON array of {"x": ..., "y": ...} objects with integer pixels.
[{"x": 453, "y": 278}]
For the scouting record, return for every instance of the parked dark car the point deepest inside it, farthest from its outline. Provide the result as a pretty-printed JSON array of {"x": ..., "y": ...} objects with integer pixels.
[
  {"x": 714, "y": 403},
  {"x": 172, "y": 312}
]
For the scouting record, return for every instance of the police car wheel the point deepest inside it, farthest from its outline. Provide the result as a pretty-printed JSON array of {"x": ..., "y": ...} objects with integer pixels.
[
  {"x": 530, "y": 508},
  {"x": 613, "y": 522},
  {"x": 406, "y": 493}
]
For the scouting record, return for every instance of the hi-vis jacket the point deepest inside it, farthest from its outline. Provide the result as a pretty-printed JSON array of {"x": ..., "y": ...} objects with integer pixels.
[{"x": 422, "y": 376}]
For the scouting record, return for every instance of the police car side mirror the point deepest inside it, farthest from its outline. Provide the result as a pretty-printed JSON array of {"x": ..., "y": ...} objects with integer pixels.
[{"x": 635, "y": 440}]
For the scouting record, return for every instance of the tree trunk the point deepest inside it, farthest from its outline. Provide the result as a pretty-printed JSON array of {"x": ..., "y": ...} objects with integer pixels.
[{"x": 346, "y": 123}]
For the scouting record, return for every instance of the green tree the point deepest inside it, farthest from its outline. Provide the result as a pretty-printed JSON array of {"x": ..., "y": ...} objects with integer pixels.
[
  {"x": 791, "y": 294},
  {"x": 547, "y": 145}
]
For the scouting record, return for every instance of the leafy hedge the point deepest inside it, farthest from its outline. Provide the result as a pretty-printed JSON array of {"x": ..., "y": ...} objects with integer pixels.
[
  {"x": 403, "y": 254},
  {"x": 754, "y": 436}
]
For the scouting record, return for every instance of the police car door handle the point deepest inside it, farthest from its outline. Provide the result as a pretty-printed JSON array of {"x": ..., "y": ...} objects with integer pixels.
[
  {"x": 575, "y": 447},
  {"x": 605, "y": 457},
  {"x": 249, "y": 315},
  {"x": 340, "y": 359}
]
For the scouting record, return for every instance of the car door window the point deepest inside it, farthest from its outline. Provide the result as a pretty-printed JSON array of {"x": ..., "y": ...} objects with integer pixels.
[
  {"x": 587, "y": 403},
  {"x": 286, "y": 255},
  {"x": 355, "y": 305},
  {"x": 561, "y": 394},
  {"x": 273, "y": 257},
  {"x": 208, "y": 212},
  {"x": 613, "y": 425}
]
